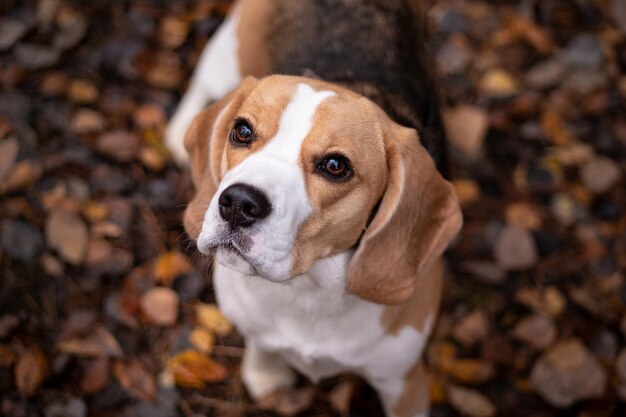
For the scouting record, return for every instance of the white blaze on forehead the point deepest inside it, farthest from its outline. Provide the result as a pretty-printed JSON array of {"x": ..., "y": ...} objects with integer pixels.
[{"x": 295, "y": 123}]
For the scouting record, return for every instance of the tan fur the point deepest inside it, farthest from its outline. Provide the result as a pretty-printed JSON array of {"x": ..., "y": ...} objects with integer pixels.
[
  {"x": 251, "y": 33},
  {"x": 414, "y": 398},
  {"x": 415, "y": 312},
  {"x": 417, "y": 218},
  {"x": 205, "y": 142}
]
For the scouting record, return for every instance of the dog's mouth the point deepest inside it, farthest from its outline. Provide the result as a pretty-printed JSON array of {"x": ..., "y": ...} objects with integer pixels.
[{"x": 232, "y": 251}]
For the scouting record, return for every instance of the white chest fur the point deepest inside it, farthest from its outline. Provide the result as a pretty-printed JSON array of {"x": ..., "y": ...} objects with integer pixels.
[{"x": 314, "y": 324}]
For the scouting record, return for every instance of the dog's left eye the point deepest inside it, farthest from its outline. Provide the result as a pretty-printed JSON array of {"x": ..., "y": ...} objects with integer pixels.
[
  {"x": 335, "y": 167},
  {"x": 241, "y": 134}
]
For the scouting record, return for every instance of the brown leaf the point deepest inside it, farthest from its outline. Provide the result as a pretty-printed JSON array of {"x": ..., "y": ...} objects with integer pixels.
[
  {"x": 136, "y": 379},
  {"x": 30, "y": 370},
  {"x": 568, "y": 373},
  {"x": 160, "y": 305},
  {"x": 341, "y": 396},
  {"x": 555, "y": 128},
  {"x": 7, "y": 356},
  {"x": 472, "y": 329},
  {"x": 119, "y": 145},
  {"x": 515, "y": 248},
  {"x": 470, "y": 402},
  {"x": 209, "y": 316},
  {"x": 537, "y": 330},
  {"x": 9, "y": 149},
  {"x": 169, "y": 265},
  {"x": 67, "y": 233},
  {"x": 497, "y": 83},
  {"x": 96, "y": 376},
  {"x": 24, "y": 174},
  {"x": 600, "y": 174},
  {"x": 466, "y": 127},
  {"x": 82, "y": 92},
  {"x": 193, "y": 369},
  {"x": 11, "y": 30},
  {"x": 98, "y": 342},
  {"x": 288, "y": 402},
  {"x": 87, "y": 121}
]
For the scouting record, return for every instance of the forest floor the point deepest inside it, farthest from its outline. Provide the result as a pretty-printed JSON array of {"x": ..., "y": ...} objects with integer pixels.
[{"x": 106, "y": 311}]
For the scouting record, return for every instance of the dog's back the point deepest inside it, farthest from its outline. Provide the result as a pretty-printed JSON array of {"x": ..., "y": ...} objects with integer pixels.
[{"x": 373, "y": 47}]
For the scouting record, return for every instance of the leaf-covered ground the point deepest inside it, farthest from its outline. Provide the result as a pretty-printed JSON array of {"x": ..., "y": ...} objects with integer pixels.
[{"x": 106, "y": 311}]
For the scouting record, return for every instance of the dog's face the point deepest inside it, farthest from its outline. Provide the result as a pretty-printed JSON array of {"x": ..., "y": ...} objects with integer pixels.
[{"x": 290, "y": 170}]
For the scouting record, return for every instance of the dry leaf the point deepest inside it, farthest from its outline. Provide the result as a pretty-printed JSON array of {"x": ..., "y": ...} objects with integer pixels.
[
  {"x": 24, "y": 174},
  {"x": 341, "y": 396},
  {"x": 98, "y": 342},
  {"x": 67, "y": 233},
  {"x": 169, "y": 265},
  {"x": 470, "y": 402},
  {"x": 466, "y": 127},
  {"x": 193, "y": 369},
  {"x": 136, "y": 379},
  {"x": 209, "y": 316},
  {"x": 30, "y": 370},
  {"x": 202, "y": 339},
  {"x": 515, "y": 248},
  {"x": 288, "y": 402},
  {"x": 160, "y": 305},
  {"x": 96, "y": 376}
]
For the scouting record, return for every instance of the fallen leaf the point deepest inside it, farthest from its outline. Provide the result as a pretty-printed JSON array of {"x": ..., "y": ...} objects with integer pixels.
[
  {"x": 524, "y": 215},
  {"x": 600, "y": 174},
  {"x": 288, "y": 402},
  {"x": 11, "y": 30},
  {"x": 98, "y": 342},
  {"x": 202, "y": 339},
  {"x": 25, "y": 173},
  {"x": 515, "y": 248},
  {"x": 568, "y": 373},
  {"x": 96, "y": 376},
  {"x": 75, "y": 407},
  {"x": 192, "y": 369},
  {"x": 466, "y": 127},
  {"x": 209, "y": 316},
  {"x": 549, "y": 300},
  {"x": 173, "y": 32},
  {"x": 170, "y": 265},
  {"x": 470, "y": 402},
  {"x": 498, "y": 83},
  {"x": 135, "y": 378},
  {"x": 119, "y": 145},
  {"x": 68, "y": 235},
  {"x": 7, "y": 356},
  {"x": 160, "y": 305},
  {"x": 9, "y": 149},
  {"x": 35, "y": 57},
  {"x": 468, "y": 191},
  {"x": 555, "y": 129},
  {"x": 538, "y": 330},
  {"x": 30, "y": 370},
  {"x": 87, "y": 121},
  {"x": 82, "y": 92},
  {"x": 341, "y": 396},
  {"x": 472, "y": 329}
]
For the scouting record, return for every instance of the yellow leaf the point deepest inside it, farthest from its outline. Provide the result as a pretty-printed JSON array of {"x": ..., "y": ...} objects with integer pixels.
[
  {"x": 202, "y": 339},
  {"x": 193, "y": 369},
  {"x": 169, "y": 265},
  {"x": 209, "y": 316}
]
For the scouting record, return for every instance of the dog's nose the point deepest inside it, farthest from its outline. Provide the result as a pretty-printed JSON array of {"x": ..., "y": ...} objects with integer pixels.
[{"x": 241, "y": 205}]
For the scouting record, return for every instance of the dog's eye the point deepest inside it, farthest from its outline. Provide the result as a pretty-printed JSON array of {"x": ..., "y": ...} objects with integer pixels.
[
  {"x": 335, "y": 167},
  {"x": 241, "y": 134}
]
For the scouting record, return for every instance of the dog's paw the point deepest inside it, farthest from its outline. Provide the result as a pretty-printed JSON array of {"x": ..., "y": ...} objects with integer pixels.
[{"x": 264, "y": 373}]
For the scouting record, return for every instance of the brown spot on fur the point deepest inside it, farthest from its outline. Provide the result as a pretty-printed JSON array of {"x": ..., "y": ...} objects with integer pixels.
[
  {"x": 414, "y": 398},
  {"x": 415, "y": 312},
  {"x": 251, "y": 34}
]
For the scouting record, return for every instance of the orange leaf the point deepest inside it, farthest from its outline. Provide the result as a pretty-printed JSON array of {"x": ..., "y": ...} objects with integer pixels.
[
  {"x": 209, "y": 316},
  {"x": 192, "y": 369},
  {"x": 135, "y": 378},
  {"x": 169, "y": 265},
  {"x": 30, "y": 370}
]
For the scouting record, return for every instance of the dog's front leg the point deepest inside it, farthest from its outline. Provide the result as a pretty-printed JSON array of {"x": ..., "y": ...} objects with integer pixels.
[
  {"x": 404, "y": 395},
  {"x": 264, "y": 372}
]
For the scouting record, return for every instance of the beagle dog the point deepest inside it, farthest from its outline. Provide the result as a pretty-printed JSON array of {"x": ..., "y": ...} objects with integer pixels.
[{"x": 319, "y": 197}]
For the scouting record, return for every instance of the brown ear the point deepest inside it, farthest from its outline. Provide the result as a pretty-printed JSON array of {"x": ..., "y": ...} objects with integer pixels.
[
  {"x": 417, "y": 218},
  {"x": 204, "y": 141}
]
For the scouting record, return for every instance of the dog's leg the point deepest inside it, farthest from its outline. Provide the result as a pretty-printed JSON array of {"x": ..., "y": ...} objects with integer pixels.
[
  {"x": 406, "y": 396},
  {"x": 216, "y": 74},
  {"x": 263, "y": 372}
]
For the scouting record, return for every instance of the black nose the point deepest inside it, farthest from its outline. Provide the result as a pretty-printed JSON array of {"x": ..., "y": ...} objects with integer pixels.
[{"x": 241, "y": 205}]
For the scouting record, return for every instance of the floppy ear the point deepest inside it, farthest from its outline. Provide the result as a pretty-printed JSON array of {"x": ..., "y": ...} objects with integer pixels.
[
  {"x": 204, "y": 141},
  {"x": 417, "y": 218}
]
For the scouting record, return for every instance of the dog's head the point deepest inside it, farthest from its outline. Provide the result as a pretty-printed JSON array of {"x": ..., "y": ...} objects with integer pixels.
[{"x": 290, "y": 170}]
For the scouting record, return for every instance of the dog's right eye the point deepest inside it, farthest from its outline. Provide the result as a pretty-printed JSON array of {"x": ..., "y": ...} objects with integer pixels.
[{"x": 242, "y": 134}]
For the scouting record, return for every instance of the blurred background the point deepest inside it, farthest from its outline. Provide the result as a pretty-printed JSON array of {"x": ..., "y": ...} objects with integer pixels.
[{"x": 105, "y": 309}]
